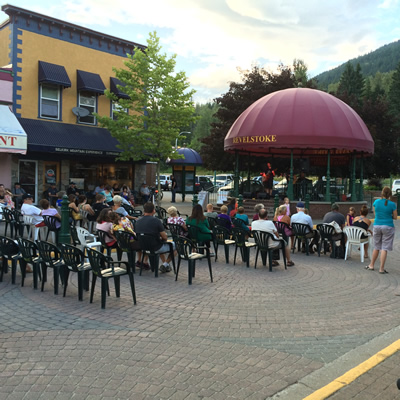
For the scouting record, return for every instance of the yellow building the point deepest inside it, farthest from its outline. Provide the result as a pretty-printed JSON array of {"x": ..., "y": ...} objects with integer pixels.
[{"x": 60, "y": 73}]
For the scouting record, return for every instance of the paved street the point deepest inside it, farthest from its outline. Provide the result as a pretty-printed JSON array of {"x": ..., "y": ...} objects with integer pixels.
[{"x": 251, "y": 334}]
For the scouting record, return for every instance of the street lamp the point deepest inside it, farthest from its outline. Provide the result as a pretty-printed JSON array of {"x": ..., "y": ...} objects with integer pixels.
[{"x": 176, "y": 141}]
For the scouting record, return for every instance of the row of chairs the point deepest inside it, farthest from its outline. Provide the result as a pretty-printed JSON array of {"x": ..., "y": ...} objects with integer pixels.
[
  {"x": 63, "y": 259},
  {"x": 354, "y": 237}
]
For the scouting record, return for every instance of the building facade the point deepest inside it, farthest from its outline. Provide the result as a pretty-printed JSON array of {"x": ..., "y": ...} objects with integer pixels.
[{"x": 60, "y": 72}]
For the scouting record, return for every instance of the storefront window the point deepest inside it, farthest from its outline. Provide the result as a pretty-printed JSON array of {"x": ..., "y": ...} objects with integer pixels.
[{"x": 93, "y": 174}]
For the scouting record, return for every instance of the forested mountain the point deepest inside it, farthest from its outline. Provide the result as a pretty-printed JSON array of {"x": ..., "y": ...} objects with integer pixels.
[{"x": 384, "y": 59}]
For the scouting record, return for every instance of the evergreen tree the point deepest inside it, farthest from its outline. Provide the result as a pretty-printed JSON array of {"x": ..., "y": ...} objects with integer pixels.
[{"x": 394, "y": 92}]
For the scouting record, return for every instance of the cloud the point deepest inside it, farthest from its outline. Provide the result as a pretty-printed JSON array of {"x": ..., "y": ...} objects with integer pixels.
[{"x": 214, "y": 37}]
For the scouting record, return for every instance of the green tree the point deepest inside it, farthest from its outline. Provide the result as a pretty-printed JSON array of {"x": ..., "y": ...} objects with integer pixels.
[
  {"x": 206, "y": 113},
  {"x": 351, "y": 84},
  {"x": 159, "y": 104},
  {"x": 394, "y": 92}
]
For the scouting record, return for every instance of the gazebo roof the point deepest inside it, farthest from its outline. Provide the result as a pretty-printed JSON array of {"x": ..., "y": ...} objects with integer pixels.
[
  {"x": 192, "y": 157},
  {"x": 307, "y": 121}
]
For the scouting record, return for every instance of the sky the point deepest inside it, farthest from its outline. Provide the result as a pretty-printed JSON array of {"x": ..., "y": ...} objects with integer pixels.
[{"x": 213, "y": 39}]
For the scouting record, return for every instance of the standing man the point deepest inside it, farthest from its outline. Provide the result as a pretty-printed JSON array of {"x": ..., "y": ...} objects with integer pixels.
[
  {"x": 173, "y": 188},
  {"x": 52, "y": 194},
  {"x": 268, "y": 179},
  {"x": 18, "y": 192},
  {"x": 151, "y": 225},
  {"x": 268, "y": 226}
]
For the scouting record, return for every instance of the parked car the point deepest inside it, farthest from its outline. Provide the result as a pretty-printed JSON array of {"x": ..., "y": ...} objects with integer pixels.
[
  {"x": 165, "y": 182},
  {"x": 203, "y": 183},
  {"x": 255, "y": 187},
  {"x": 395, "y": 185},
  {"x": 224, "y": 178}
]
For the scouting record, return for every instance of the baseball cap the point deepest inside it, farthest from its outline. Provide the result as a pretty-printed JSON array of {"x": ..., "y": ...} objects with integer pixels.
[
  {"x": 300, "y": 204},
  {"x": 27, "y": 196},
  {"x": 72, "y": 183}
]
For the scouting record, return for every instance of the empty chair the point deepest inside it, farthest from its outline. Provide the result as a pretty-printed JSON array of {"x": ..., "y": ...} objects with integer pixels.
[
  {"x": 104, "y": 267},
  {"x": 74, "y": 260},
  {"x": 51, "y": 258},
  {"x": 187, "y": 250},
  {"x": 222, "y": 237},
  {"x": 266, "y": 244},
  {"x": 10, "y": 252},
  {"x": 240, "y": 236},
  {"x": 356, "y": 236},
  {"x": 86, "y": 239},
  {"x": 29, "y": 255}
]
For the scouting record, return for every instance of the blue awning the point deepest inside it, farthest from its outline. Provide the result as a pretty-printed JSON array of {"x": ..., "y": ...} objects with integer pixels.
[
  {"x": 90, "y": 82},
  {"x": 114, "y": 89},
  {"x": 55, "y": 137},
  {"x": 54, "y": 74}
]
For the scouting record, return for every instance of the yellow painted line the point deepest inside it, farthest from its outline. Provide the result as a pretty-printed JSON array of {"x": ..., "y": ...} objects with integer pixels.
[{"x": 354, "y": 373}]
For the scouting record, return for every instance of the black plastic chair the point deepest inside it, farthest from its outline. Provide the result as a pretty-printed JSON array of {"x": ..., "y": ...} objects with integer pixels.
[
  {"x": 74, "y": 260},
  {"x": 9, "y": 251},
  {"x": 222, "y": 237},
  {"x": 212, "y": 221},
  {"x": 224, "y": 223},
  {"x": 29, "y": 255},
  {"x": 300, "y": 233},
  {"x": 263, "y": 240},
  {"x": 10, "y": 220},
  {"x": 51, "y": 223},
  {"x": 240, "y": 236},
  {"x": 102, "y": 236},
  {"x": 239, "y": 223},
  {"x": 51, "y": 257},
  {"x": 104, "y": 267},
  {"x": 124, "y": 240},
  {"x": 74, "y": 235},
  {"x": 149, "y": 244},
  {"x": 282, "y": 227},
  {"x": 132, "y": 212},
  {"x": 176, "y": 230},
  {"x": 20, "y": 223},
  {"x": 185, "y": 248},
  {"x": 326, "y": 232}
]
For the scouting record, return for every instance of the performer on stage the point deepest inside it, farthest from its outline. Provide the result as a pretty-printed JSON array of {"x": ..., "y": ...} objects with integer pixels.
[{"x": 268, "y": 179}]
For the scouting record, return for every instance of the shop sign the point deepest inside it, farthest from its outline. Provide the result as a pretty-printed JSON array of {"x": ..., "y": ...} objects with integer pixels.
[{"x": 86, "y": 152}]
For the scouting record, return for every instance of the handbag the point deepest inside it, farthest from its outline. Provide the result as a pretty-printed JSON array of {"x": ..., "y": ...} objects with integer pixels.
[{"x": 336, "y": 226}]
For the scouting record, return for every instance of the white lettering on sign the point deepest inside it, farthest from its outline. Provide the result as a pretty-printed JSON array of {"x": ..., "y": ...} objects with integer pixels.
[{"x": 8, "y": 140}]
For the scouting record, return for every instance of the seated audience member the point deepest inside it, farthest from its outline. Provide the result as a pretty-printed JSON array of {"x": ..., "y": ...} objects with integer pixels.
[
  {"x": 108, "y": 194},
  {"x": 3, "y": 201},
  {"x": 257, "y": 209},
  {"x": 225, "y": 217},
  {"x": 47, "y": 210},
  {"x": 151, "y": 225},
  {"x": 60, "y": 196},
  {"x": 115, "y": 189},
  {"x": 174, "y": 218},
  {"x": 99, "y": 204},
  {"x": 302, "y": 218},
  {"x": 339, "y": 218},
  {"x": 243, "y": 217},
  {"x": 29, "y": 209},
  {"x": 104, "y": 223},
  {"x": 117, "y": 207},
  {"x": 281, "y": 216},
  {"x": 363, "y": 222},
  {"x": 210, "y": 211},
  {"x": 8, "y": 199},
  {"x": 83, "y": 206},
  {"x": 262, "y": 224},
  {"x": 198, "y": 219},
  {"x": 75, "y": 210}
]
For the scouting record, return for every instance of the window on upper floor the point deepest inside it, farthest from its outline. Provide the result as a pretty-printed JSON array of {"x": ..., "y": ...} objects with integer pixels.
[
  {"x": 88, "y": 100},
  {"x": 50, "y": 96},
  {"x": 117, "y": 107}
]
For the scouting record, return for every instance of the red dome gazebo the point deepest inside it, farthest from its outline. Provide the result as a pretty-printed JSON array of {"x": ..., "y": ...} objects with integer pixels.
[{"x": 301, "y": 122}]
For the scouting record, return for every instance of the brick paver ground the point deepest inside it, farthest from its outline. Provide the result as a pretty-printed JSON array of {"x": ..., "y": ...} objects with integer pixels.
[{"x": 248, "y": 335}]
